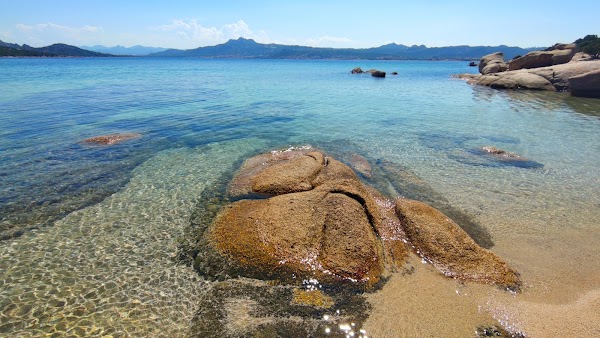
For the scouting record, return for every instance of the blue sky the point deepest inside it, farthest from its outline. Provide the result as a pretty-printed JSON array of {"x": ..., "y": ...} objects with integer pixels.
[{"x": 190, "y": 24}]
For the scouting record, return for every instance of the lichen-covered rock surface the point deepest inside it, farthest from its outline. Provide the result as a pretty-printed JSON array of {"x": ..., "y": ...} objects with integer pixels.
[
  {"x": 320, "y": 221},
  {"x": 442, "y": 242},
  {"x": 300, "y": 214}
]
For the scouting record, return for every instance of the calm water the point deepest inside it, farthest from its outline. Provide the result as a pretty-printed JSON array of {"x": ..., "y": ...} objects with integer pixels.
[{"x": 89, "y": 233}]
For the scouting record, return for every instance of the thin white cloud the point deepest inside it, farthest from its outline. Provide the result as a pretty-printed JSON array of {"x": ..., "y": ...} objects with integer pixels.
[
  {"x": 43, "y": 34},
  {"x": 197, "y": 35},
  {"x": 329, "y": 41}
]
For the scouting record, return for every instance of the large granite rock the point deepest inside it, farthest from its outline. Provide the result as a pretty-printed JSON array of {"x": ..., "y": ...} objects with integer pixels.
[
  {"x": 556, "y": 55},
  {"x": 522, "y": 81},
  {"x": 320, "y": 222},
  {"x": 492, "y": 63},
  {"x": 315, "y": 219},
  {"x": 586, "y": 85},
  {"x": 557, "y": 76},
  {"x": 581, "y": 56},
  {"x": 444, "y": 244}
]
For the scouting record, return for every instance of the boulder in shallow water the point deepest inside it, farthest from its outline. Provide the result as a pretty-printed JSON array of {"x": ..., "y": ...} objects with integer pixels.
[
  {"x": 312, "y": 218},
  {"x": 112, "y": 138},
  {"x": 444, "y": 244},
  {"x": 357, "y": 70},
  {"x": 321, "y": 222}
]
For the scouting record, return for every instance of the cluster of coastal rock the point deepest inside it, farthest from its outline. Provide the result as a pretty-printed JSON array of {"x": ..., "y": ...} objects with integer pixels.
[
  {"x": 561, "y": 67},
  {"x": 300, "y": 214},
  {"x": 373, "y": 72}
]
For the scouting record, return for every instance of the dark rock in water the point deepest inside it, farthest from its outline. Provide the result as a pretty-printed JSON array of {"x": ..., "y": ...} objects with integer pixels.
[
  {"x": 406, "y": 184},
  {"x": 378, "y": 73},
  {"x": 357, "y": 70},
  {"x": 496, "y": 332},
  {"x": 112, "y": 138},
  {"x": 586, "y": 85},
  {"x": 509, "y": 158},
  {"x": 394, "y": 73},
  {"x": 247, "y": 308},
  {"x": 472, "y": 64},
  {"x": 443, "y": 243}
]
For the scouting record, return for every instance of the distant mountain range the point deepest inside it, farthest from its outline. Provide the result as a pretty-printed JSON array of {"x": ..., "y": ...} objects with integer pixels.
[
  {"x": 121, "y": 50},
  {"x": 250, "y": 49},
  {"x": 55, "y": 50}
]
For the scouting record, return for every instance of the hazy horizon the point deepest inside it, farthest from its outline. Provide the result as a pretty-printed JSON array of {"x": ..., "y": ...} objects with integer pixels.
[{"x": 349, "y": 24}]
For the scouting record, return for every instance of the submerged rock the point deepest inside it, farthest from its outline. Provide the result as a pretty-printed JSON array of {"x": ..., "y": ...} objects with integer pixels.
[
  {"x": 357, "y": 70},
  {"x": 247, "y": 308},
  {"x": 510, "y": 158},
  {"x": 361, "y": 165},
  {"x": 112, "y": 138},
  {"x": 378, "y": 73},
  {"x": 442, "y": 242}
]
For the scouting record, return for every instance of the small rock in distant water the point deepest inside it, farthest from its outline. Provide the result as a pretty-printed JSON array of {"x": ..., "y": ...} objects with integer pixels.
[
  {"x": 378, "y": 73},
  {"x": 498, "y": 151},
  {"x": 394, "y": 73},
  {"x": 112, "y": 138},
  {"x": 357, "y": 70}
]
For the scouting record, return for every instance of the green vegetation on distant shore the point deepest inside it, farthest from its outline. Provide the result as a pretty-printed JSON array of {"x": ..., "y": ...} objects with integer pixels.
[
  {"x": 8, "y": 51},
  {"x": 590, "y": 44},
  {"x": 55, "y": 50}
]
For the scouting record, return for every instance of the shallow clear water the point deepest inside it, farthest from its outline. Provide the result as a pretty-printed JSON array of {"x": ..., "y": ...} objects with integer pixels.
[{"x": 76, "y": 218}]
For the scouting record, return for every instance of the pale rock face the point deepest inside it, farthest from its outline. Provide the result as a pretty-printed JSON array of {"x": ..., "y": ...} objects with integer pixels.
[{"x": 492, "y": 63}]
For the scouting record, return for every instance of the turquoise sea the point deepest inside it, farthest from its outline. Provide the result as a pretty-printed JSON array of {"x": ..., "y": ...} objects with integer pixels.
[{"x": 88, "y": 234}]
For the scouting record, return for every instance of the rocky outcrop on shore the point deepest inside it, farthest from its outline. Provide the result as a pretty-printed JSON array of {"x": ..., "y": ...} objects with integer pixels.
[
  {"x": 550, "y": 70},
  {"x": 373, "y": 72},
  {"x": 555, "y": 55},
  {"x": 492, "y": 63},
  {"x": 301, "y": 214},
  {"x": 587, "y": 85}
]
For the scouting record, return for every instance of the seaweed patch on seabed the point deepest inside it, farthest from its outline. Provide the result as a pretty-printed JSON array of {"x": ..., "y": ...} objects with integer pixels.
[{"x": 234, "y": 306}]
